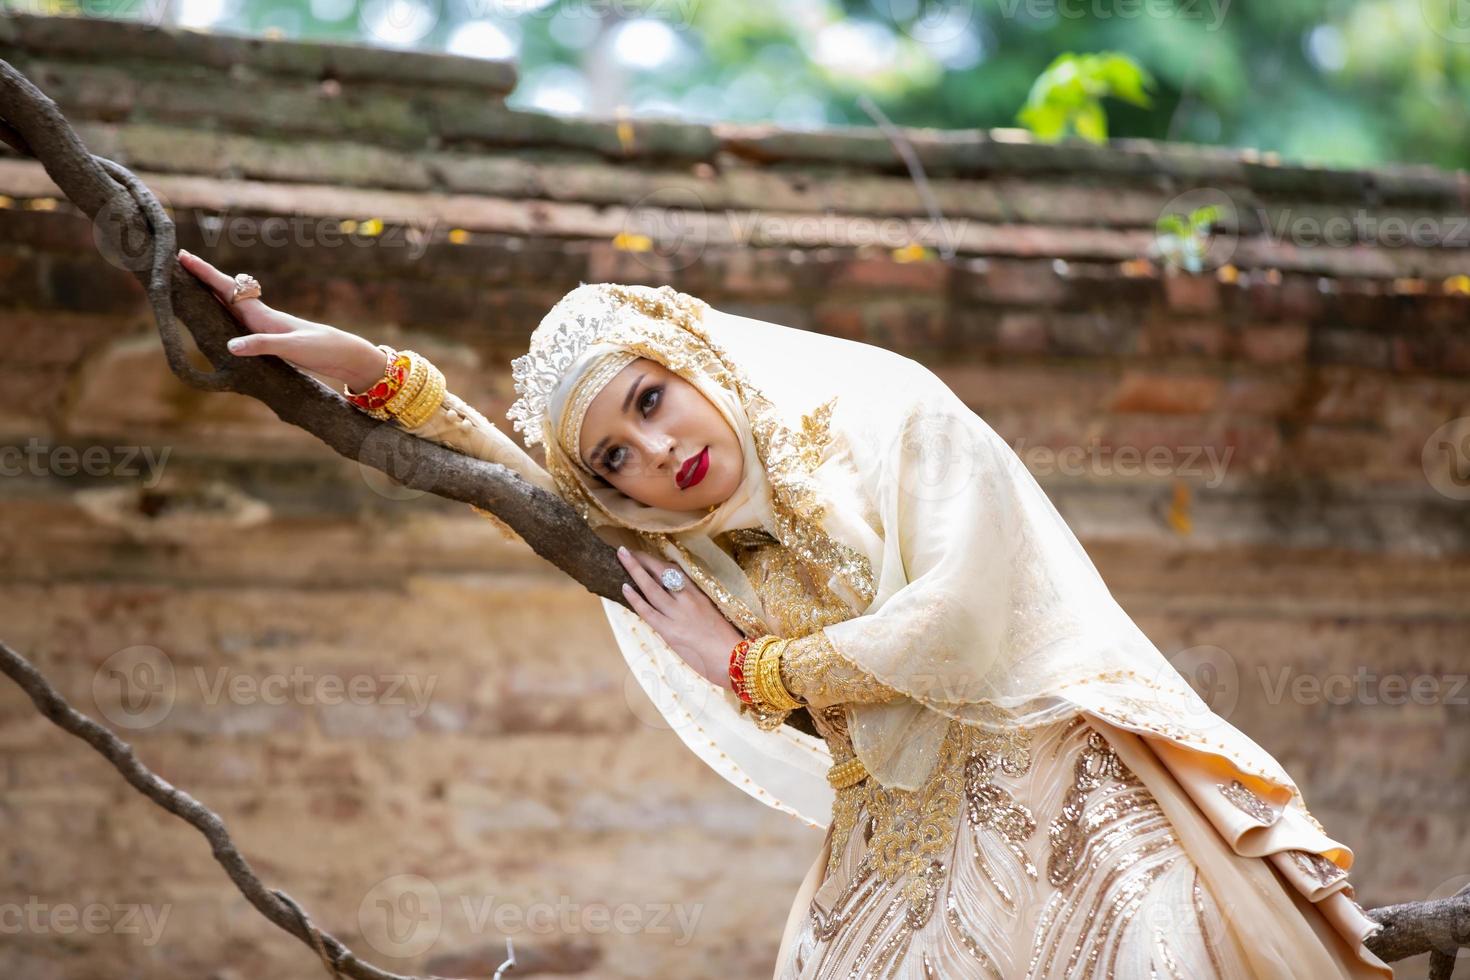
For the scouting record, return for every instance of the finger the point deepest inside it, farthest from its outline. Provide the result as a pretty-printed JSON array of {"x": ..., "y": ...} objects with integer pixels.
[
  {"x": 656, "y": 568},
  {"x": 255, "y": 344},
  {"x": 639, "y": 604},
  {"x": 651, "y": 588},
  {"x": 250, "y": 311}
]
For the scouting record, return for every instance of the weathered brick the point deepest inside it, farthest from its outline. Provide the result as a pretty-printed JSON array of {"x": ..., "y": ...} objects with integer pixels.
[
  {"x": 1360, "y": 347},
  {"x": 905, "y": 324},
  {"x": 1192, "y": 293},
  {"x": 1023, "y": 333},
  {"x": 1346, "y": 394},
  {"x": 884, "y": 273},
  {"x": 1274, "y": 343},
  {"x": 1019, "y": 282},
  {"x": 1140, "y": 391},
  {"x": 1093, "y": 334},
  {"x": 1190, "y": 337},
  {"x": 1276, "y": 395}
]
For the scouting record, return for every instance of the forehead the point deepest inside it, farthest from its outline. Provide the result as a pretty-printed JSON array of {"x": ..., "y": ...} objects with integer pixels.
[{"x": 607, "y": 405}]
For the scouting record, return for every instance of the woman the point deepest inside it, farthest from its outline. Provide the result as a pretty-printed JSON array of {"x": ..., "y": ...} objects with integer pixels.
[{"x": 1014, "y": 781}]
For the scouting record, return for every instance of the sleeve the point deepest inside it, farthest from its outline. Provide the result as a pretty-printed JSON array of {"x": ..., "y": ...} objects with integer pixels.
[
  {"x": 813, "y": 670},
  {"x": 945, "y": 492},
  {"x": 456, "y": 424}
]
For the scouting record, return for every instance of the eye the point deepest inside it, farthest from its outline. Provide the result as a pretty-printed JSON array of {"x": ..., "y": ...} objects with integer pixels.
[{"x": 649, "y": 400}]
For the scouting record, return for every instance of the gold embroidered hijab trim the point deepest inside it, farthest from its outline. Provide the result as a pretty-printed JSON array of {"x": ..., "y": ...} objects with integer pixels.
[{"x": 670, "y": 331}]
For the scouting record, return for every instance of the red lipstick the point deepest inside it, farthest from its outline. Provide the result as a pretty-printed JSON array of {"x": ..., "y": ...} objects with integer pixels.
[{"x": 693, "y": 470}]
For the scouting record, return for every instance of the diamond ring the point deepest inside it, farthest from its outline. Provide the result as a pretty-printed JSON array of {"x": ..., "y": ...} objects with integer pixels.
[{"x": 672, "y": 578}]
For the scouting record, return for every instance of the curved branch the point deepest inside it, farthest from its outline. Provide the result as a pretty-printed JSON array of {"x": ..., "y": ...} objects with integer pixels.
[
  {"x": 274, "y": 905},
  {"x": 130, "y": 213},
  {"x": 1439, "y": 927},
  {"x": 31, "y": 123},
  {"x": 543, "y": 520}
]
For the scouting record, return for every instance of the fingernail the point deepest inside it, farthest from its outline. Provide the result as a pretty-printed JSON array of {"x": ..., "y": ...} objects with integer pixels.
[
  {"x": 622, "y": 552},
  {"x": 185, "y": 252},
  {"x": 235, "y": 343}
]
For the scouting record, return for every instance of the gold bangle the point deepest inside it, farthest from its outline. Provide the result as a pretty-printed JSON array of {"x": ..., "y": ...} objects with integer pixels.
[
  {"x": 426, "y": 402},
  {"x": 769, "y": 688},
  {"x": 749, "y": 663},
  {"x": 418, "y": 374},
  {"x": 354, "y": 396},
  {"x": 849, "y": 773}
]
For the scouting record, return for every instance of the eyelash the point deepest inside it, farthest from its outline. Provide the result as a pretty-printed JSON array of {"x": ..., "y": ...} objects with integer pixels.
[{"x": 642, "y": 399}]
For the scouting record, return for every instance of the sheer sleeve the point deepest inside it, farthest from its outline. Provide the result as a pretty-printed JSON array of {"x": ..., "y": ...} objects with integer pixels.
[
  {"x": 456, "y": 424},
  {"x": 813, "y": 670}
]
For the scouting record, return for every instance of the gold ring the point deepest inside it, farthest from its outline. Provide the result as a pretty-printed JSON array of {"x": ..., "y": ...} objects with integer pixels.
[{"x": 246, "y": 287}]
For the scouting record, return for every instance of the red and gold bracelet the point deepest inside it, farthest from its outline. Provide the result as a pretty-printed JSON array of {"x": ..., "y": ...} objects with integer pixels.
[
  {"x": 378, "y": 394},
  {"x": 737, "y": 671},
  {"x": 767, "y": 687},
  {"x": 755, "y": 674},
  {"x": 410, "y": 390}
]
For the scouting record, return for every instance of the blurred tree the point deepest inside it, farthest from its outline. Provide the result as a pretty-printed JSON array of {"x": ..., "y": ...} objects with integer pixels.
[{"x": 1343, "y": 82}]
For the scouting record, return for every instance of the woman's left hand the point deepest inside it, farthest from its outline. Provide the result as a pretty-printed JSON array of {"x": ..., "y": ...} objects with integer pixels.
[{"x": 688, "y": 620}]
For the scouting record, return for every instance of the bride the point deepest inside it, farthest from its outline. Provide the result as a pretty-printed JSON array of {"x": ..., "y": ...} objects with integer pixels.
[{"x": 1013, "y": 780}]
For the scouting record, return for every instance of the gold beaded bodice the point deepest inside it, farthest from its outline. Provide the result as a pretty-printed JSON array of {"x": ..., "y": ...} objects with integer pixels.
[
  {"x": 908, "y": 828},
  {"x": 797, "y": 606}
]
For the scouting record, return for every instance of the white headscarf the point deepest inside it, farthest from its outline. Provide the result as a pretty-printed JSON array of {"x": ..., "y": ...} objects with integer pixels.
[
  {"x": 969, "y": 593},
  {"x": 748, "y": 506}
]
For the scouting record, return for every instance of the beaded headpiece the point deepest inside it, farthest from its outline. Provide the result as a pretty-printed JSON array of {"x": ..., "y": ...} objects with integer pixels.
[
  {"x": 567, "y": 330},
  {"x": 587, "y": 315}
]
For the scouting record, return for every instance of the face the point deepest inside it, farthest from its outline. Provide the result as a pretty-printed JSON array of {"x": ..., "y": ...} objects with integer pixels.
[{"x": 655, "y": 437}]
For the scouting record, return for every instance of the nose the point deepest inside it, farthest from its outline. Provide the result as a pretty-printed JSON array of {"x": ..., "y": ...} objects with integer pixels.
[{"x": 659, "y": 448}]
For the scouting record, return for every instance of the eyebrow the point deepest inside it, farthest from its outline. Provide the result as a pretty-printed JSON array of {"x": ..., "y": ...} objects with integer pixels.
[{"x": 628, "y": 398}]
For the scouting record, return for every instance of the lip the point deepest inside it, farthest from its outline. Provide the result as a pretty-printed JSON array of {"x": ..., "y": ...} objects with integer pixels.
[{"x": 693, "y": 470}]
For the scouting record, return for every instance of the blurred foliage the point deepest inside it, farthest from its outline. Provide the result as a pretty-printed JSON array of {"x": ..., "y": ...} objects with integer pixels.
[
  {"x": 1067, "y": 97},
  {"x": 1183, "y": 239},
  {"x": 1342, "y": 82}
]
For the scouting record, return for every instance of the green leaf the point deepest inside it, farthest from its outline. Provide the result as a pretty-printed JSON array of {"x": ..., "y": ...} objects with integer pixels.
[{"x": 1091, "y": 122}]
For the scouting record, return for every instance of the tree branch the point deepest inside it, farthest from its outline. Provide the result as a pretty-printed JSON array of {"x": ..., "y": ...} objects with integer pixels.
[
  {"x": 31, "y": 123},
  {"x": 274, "y": 904}
]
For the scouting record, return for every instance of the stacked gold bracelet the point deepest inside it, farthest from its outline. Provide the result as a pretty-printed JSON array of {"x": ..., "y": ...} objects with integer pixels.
[
  {"x": 411, "y": 389},
  {"x": 849, "y": 773},
  {"x": 762, "y": 669}
]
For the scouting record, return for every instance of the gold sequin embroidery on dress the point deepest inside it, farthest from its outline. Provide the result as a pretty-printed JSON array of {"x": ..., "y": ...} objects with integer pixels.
[{"x": 970, "y": 853}]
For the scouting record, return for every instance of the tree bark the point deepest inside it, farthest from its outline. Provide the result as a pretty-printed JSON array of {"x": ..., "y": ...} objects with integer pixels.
[{"x": 124, "y": 209}]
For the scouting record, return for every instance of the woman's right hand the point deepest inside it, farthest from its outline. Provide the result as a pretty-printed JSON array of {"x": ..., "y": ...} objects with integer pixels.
[{"x": 309, "y": 346}]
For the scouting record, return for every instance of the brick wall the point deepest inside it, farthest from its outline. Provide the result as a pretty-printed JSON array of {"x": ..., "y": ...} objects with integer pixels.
[{"x": 1255, "y": 456}]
